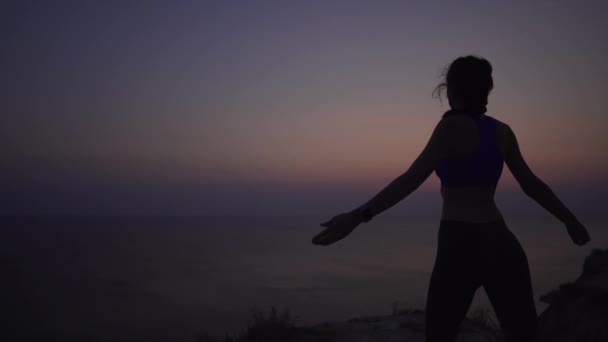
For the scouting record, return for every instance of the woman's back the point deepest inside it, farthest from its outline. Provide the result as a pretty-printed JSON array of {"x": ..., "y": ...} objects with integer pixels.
[
  {"x": 473, "y": 165},
  {"x": 481, "y": 167}
]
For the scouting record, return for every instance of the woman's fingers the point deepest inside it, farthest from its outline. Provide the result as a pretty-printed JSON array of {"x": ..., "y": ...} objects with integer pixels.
[
  {"x": 326, "y": 237},
  {"x": 581, "y": 239},
  {"x": 325, "y": 240},
  {"x": 330, "y": 234},
  {"x": 320, "y": 237},
  {"x": 327, "y": 223},
  {"x": 579, "y": 234},
  {"x": 320, "y": 240}
]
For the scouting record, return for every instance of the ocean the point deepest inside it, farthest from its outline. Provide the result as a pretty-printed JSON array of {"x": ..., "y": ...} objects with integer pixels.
[{"x": 175, "y": 278}]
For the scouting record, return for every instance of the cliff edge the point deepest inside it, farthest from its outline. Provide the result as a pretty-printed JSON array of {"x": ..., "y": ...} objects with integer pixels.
[{"x": 578, "y": 311}]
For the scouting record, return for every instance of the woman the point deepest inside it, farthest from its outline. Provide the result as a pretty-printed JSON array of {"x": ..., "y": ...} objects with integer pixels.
[{"x": 475, "y": 248}]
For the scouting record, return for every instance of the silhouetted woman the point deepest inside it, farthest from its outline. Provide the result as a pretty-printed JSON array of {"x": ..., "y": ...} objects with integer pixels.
[{"x": 475, "y": 247}]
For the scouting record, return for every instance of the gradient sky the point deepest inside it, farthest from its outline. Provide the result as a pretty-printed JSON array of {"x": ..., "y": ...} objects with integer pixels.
[{"x": 275, "y": 107}]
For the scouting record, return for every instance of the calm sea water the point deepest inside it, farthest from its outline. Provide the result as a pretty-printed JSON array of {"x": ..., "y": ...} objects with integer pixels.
[{"x": 172, "y": 278}]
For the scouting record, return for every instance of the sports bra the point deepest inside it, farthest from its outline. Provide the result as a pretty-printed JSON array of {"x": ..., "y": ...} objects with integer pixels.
[{"x": 483, "y": 167}]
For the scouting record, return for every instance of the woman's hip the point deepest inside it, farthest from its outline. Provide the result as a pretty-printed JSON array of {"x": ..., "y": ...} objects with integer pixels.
[{"x": 479, "y": 242}]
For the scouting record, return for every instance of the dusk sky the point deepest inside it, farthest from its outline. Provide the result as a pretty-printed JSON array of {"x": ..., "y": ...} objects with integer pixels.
[{"x": 275, "y": 107}]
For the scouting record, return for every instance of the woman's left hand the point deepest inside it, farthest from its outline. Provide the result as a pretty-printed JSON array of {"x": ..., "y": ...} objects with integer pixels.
[{"x": 337, "y": 228}]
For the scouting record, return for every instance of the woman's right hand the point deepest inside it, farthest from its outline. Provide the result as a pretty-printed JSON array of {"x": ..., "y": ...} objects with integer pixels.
[
  {"x": 578, "y": 233},
  {"x": 337, "y": 228}
]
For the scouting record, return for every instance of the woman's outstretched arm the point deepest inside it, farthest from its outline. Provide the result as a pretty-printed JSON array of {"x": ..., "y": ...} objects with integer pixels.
[
  {"x": 446, "y": 141},
  {"x": 405, "y": 183},
  {"x": 435, "y": 150},
  {"x": 535, "y": 188}
]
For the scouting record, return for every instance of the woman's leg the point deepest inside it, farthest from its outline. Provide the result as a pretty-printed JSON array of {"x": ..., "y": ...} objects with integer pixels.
[
  {"x": 509, "y": 288},
  {"x": 447, "y": 304},
  {"x": 453, "y": 282}
]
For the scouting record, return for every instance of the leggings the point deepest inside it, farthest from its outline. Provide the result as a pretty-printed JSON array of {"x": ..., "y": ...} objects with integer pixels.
[{"x": 470, "y": 255}]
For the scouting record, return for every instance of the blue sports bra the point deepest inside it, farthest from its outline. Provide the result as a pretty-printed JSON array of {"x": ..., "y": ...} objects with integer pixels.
[{"x": 483, "y": 167}]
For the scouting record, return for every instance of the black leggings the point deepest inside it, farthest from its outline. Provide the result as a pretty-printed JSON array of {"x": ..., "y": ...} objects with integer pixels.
[{"x": 470, "y": 255}]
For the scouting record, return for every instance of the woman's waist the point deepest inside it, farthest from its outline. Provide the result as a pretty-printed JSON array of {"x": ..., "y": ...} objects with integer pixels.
[
  {"x": 471, "y": 211},
  {"x": 468, "y": 194}
]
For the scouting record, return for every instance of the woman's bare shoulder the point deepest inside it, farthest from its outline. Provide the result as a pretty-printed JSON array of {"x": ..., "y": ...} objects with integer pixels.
[
  {"x": 500, "y": 123},
  {"x": 502, "y": 128},
  {"x": 504, "y": 136}
]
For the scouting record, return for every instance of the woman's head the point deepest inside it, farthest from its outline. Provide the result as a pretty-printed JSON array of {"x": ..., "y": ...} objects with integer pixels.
[{"x": 468, "y": 81}]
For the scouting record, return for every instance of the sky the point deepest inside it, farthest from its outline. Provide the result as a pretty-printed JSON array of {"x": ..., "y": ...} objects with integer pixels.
[{"x": 283, "y": 107}]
